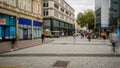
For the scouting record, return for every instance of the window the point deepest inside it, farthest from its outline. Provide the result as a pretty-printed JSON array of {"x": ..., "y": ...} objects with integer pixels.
[
  {"x": 12, "y": 2},
  {"x": 115, "y": 15},
  {"x": 25, "y": 4},
  {"x": 56, "y": 14},
  {"x": 29, "y": 5},
  {"x": 5, "y": 1},
  {"x": 66, "y": 12},
  {"x": 56, "y": 6},
  {"x": 45, "y": 4},
  {"x": 115, "y": 1},
  {"x": 37, "y": 9},
  {"x": 20, "y": 3},
  {"x": 45, "y": 13},
  {"x": 62, "y": 9},
  {"x": 115, "y": 7}
]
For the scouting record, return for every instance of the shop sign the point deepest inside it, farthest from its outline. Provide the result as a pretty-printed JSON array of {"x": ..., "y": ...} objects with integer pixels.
[{"x": 2, "y": 21}]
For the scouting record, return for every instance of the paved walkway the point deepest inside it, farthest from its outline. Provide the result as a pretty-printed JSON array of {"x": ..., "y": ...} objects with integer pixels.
[{"x": 78, "y": 54}]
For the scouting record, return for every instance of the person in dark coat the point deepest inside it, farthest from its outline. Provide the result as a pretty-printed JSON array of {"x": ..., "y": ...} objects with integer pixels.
[
  {"x": 89, "y": 37},
  {"x": 13, "y": 40},
  {"x": 42, "y": 37}
]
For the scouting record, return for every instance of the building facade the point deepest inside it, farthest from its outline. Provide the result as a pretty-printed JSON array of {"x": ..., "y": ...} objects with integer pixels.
[
  {"x": 107, "y": 13},
  {"x": 102, "y": 13},
  {"x": 58, "y": 16},
  {"x": 20, "y": 19},
  {"x": 114, "y": 12}
]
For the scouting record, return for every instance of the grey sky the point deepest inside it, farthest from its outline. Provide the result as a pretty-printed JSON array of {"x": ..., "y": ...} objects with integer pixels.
[{"x": 81, "y": 5}]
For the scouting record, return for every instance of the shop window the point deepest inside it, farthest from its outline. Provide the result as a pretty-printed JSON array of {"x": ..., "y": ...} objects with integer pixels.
[
  {"x": 37, "y": 32},
  {"x": 0, "y": 33},
  {"x": 25, "y": 32},
  {"x": 7, "y": 33},
  {"x": 20, "y": 33},
  {"x": 7, "y": 27},
  {"x": 37, "y": 29}
]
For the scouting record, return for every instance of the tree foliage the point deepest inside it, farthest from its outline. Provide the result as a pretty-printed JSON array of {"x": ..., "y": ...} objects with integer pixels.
[{"x": 86, "y": 19}]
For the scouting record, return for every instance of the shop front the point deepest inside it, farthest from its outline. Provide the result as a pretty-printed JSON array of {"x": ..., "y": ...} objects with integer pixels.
[
  {"x": 37, "y": 29},
  {"x": 55, "y": 30},
  {"x": 7, "y": 27},
  {"x": 25, "y": 29}
]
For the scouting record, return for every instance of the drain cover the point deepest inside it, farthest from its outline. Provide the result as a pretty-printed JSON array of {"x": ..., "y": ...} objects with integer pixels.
[{"x": 61, "y": 64}]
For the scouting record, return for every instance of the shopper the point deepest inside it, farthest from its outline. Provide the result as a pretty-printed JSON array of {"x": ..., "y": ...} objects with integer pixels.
[
  {"x": 13, "y": 40},
  {"x": 43, "y": 36},
  {"x": 113, "y": 37}
]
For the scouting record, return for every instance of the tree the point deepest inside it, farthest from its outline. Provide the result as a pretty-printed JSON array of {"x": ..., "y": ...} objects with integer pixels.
[{"x": 86, "y": 19}]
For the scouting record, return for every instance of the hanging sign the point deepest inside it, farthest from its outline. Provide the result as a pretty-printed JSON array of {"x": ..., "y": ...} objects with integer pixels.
[{"x": 2, "y": 21}]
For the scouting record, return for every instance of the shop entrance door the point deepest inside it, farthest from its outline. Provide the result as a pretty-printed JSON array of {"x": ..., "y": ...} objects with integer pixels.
[{"x": 25, "y": 33}]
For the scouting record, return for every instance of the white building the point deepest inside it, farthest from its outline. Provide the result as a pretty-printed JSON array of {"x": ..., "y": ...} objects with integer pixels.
[
  {"x": 102, "y": 13},
  {"x": 58, "y": 16}
]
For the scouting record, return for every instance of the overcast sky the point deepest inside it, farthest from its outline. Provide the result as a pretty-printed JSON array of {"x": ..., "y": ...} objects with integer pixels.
[{"x": 81, "y": 5}]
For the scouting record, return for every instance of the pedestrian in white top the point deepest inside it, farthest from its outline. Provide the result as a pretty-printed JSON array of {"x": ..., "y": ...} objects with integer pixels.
[
  {"x": 74, "y": 37},
  {"x": 113, "y": 37}
]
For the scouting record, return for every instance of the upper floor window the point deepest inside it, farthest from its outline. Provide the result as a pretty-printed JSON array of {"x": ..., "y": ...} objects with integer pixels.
[
  {"x": 66, "y": 12},
  {"x": 25, "y": 4},
  {"x": 37, "y": 9},
  {"x": 45, "y": 12},
  {"x": 29, "y": 5},
  {"x": 115, "y": 1},
  {"x": 12, "y": 2},
  {"x": 5, "y": 1},
  {"x": 56, "y": 14},
  {"x": 62, "y": 9},
  {"x": 20, "y": 3},
  {"x": 115, "y": 15},
  {"x": 56, "y": 6},
  {"x": 45, "y": 4}
]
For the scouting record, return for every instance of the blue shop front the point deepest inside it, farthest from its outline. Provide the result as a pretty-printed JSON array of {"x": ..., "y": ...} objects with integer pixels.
[
  {"x": 7, "y": 27},
  {"x": 25, "y": 29}
]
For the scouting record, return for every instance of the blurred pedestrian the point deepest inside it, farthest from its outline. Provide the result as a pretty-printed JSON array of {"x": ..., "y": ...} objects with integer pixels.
[
  {"x": 74, "y": 37},
  {"x": 13, "y": 40},
  {"x": 82, "y": 35},
  {"x": 89, "y": 37},
  {"x": 113, "y": 37},
  {"x": 42, "y": 37},
  {"x": 104, "y": 36}
]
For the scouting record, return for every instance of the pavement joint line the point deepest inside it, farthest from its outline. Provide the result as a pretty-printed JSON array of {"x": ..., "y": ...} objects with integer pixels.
[
  {"x": 61, "y": 55},
  {"x": 80, "y": 44}
]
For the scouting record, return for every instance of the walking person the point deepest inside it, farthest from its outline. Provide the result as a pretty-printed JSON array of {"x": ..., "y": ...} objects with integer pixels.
[
  {"x": 74, "y": 37},
  {"x": 104, "y": 36},
  {"x": 113, "y": 37},
  {"x": 82, "y": 35},
  {"x": 42, "y": 37},
  {"x": 89, "y": 37},
  {"x": 13, "y": 40}
]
